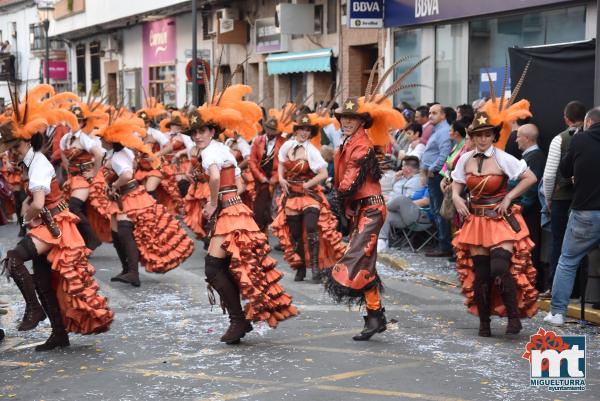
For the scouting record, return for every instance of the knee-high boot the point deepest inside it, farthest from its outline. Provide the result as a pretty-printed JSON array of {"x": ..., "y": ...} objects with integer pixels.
[
  {"x": 500, "y": 260},
  {"x": 127, "y": 240},
  {"x": 295, "y": 224},
  {"x": 19, "y": 198},
  {"x": 84, "y": 227},
  {"x": 15, "y": 267},
  {"x": 481, "y": 287},
  {"x": 183, "y": 186},
  {"x": 121, "y": 253},
  {"x": 42, "y": 276},
  {"x": 311, "y": 219},
  {"x": 219, "y": 278}
]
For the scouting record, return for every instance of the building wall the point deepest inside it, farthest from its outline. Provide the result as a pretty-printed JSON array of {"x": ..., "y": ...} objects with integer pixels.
[{"x": 28, "y": 67}]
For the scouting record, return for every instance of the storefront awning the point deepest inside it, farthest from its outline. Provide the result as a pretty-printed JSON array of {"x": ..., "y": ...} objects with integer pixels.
[{"x": 308, "y": 61}]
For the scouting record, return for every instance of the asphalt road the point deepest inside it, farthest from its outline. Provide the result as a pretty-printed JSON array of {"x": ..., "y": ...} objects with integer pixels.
[{"x": 164, "y": 345}]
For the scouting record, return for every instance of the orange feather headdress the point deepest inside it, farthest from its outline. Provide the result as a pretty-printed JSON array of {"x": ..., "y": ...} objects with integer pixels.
[
  {"x": 504, "y": 112},
  {"x": 377, "y": 109}
]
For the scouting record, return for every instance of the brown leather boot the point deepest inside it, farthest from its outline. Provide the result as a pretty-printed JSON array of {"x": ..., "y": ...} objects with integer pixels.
[
  {"x": 313, "y": 251},
  {"x": 481, "y": 265},
  {"x": 132, "y": 276},
  {"x": 42, "y": 277},
  {"x": 217, "y": 275},
  {"x": 14, "y": 265},
  {"x": 500, "y": 261}
]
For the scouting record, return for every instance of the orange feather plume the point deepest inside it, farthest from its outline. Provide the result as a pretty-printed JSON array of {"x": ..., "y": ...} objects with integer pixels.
[
  {"x": 384, "y": 116},
  {"x": 125, "y": 131},
  {"x": 506, "y": 117}
]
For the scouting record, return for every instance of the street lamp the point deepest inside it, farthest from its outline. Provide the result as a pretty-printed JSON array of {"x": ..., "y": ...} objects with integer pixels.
[{"x": 45, "y": 8}]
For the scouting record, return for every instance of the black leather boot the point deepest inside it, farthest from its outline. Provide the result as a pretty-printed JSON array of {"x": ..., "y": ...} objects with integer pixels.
[
  {"x": 295, "y": 226},
  {"x": 218, "y": 277},
  {"x": 313, "y": 251},
  {"x": 375, "y": 322},
  {"x": 121, "y": 253},
  {"x": 20, "y": 196},
  {"x": 14, "y": 264},
  {"x": 76, "y": 206},
  {"x": 481, "y": 287},
  {"x": 42, "y": 276},
  {"x": 127, "y": 240},
  {"x": 500, "y": 261}
]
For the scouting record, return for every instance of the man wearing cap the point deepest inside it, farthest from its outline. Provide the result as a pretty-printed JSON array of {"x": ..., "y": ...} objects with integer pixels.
[
  {"x": 354, "y": 279},
  {"x": 263, "y": 165}
]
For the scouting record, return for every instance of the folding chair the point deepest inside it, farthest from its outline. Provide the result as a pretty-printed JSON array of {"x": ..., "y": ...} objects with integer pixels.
[{"x": 401, "y": 237}]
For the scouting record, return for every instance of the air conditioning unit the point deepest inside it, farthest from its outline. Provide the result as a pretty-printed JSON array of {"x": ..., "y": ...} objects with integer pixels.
[
  {"x": 113, "y": 45},
  {"x": 223, "y": 14}
]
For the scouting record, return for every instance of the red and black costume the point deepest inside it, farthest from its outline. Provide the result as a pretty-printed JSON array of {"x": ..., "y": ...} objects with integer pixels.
[{"x": 263, "y": 163}]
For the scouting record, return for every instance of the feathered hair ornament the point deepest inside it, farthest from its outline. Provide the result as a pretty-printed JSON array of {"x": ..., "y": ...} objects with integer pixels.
[
  {"x": 377, "y": 109},
  {"x": 503, "y": 112}
]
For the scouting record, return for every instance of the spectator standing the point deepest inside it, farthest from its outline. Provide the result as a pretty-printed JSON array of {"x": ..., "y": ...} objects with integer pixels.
[
  {"x": 527, "y": 137},
  {"x": 583, "y": 228},
  {"x": 435, "y": 154},
  {"x": 558, "y": 190},
  {"x": 511, "y": 144},
  {"x": 465, "y": 114},
  {"x": 422, "y": 117}
]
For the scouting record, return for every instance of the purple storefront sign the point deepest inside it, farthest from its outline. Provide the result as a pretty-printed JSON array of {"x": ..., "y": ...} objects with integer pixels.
[
  {"x": 159, "y": 45},
  {"x": 415, "y": 12},
  {"x": 57, "y": 70}
]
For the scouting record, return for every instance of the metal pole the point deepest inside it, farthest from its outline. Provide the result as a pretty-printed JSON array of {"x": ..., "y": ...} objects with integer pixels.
[
  {"x": 597, "y": 60},
  {"x": 47, "y": 62},
  {"x": 194, "y": 53}
]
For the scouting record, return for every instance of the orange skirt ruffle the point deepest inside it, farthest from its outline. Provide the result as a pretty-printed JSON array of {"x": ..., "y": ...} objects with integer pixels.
[
  {"x": 249, "y": 194},
  {"x": 162, "y": 242},
  {"x": 252, "y": 267},
  {"x": 168, "y": 191},
  {"x": 15, "y": 178},
  {"x": 488, "y": 233},
  {"x": 84, "y": 311},
  {"x": 194, "y": 202},
  {"x": 331, "y": 248}
]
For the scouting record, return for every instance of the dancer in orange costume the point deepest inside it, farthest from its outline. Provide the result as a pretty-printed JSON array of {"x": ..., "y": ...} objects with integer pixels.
[
  {"x": 178, "y": 159},
  {"x": 197, "y": 195},
  {"x": 241, "y": 150},
  {"x": 238, "y": 261},
  {"x": 63, "y": 277},
  {"x": 14, "y": 177},
  {"x": 82, "y": 156},
  {"x": 365, "y": 122},
  {"x": 305, "y": 225},
  {"x": 143, "y": 230},
  {"x": 493, "y": 247}
]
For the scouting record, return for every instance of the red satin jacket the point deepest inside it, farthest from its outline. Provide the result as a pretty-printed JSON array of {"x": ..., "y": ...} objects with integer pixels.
[{"x": 257, "y": 150}]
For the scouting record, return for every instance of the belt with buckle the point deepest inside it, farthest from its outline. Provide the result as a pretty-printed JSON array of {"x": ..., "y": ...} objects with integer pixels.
[
  {"x": 236, "y": 200},
  {"x": 371, "y": 200}
]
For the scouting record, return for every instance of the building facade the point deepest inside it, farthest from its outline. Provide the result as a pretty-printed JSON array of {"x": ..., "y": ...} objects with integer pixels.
[{"x": 467, "y": 38}]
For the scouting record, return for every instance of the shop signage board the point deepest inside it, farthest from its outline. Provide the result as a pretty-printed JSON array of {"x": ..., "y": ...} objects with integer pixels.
[
  {"x": 415, "y": 12},
  {"x": 365, "y": 14}
]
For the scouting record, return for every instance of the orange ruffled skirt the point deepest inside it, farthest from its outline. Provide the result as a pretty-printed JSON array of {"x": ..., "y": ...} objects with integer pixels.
[
  {"x": 488, "y": 233},
  {"x": 162, "y": 242},
  {"x": 249, "y": 194},
  {"x": 84, "y": 311},
  {"x": 194, "y": 202},
  {"x": 96, "y": 206},
  {"x": 331, "y": 248},
  {"x": 168, "y": 191},
  {"x": 252, "y": 267}
]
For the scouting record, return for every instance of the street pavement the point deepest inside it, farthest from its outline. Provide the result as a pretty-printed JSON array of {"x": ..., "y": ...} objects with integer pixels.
[{"x": 164, "y": 345}]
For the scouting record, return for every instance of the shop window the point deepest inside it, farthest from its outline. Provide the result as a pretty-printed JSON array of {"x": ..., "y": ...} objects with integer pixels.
[
  {"x": 81, "y": 73},
  {"x": 95, "y": 67},
  {"x": 162, "y": 84},
  {"x": 297, "y": 87},
  {"x": 489, "y": 39},
  {"x": 450, "y": 59},
  {"x": 408, "y": 42}
]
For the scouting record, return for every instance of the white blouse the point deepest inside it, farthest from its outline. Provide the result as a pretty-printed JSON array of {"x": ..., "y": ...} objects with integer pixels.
[
  {"x": 510, "y": 165},
  {"x": 158, "y": 136},
  {"x": 122, "y": 161},
  {"x": 39, "y": 171},
  {"x": 219, "y": 154},
  {"x": 315, "y": 160},
  {"x": 87, "y": 143}
]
